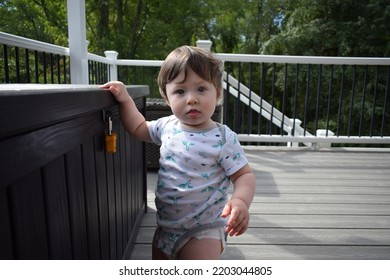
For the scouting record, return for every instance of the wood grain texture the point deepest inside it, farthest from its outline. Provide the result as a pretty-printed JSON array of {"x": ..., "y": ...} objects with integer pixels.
[
  {"x": 308, "y": 205},
  {"x": 61, "y": 195}
]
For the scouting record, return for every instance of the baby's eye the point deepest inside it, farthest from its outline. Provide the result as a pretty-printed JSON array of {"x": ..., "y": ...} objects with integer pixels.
[
  {"x": 179, "y": 91},
  {"x": 201, "y": 89}
]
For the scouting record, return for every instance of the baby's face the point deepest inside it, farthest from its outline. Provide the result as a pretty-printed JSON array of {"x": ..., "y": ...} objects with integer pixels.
[{"x": 192, "y": 100}]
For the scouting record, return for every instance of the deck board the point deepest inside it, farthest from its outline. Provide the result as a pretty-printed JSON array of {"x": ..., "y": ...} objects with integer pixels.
[{"x": 327, "y": 204}]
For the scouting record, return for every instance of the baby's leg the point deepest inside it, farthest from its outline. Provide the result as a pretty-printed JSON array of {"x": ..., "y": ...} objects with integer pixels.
[
  {"x": 201, "y": 249},
  {"x": 157, "y": 254}
]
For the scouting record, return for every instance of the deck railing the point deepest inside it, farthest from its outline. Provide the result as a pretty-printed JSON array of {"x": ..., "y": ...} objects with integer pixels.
[{"x": 312, "y": 101}]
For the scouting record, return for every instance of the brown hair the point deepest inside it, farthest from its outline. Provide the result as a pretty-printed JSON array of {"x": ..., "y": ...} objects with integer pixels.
[{"x": 201, "y": 61}]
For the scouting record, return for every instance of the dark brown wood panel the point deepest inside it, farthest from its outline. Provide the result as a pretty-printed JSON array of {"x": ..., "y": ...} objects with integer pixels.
[
  {"x": 28, "y": 216},
  {"x": 78, "y": 220},
  {"x": 91, "y": 201},
  {"x": 102, "y": 201},
  {"x": 124, "y": 192},
  {"x": 57, "y": 209},
  {"x": 6, "y": 246},
  {"x": 120, "y": 180},
  {"x": 44, "y": 105},
  {"x": 109, "y": 164},
  {"x": 29, "y": 151},
  {"x": 116, "y": 191},
  {"x": 62, "y": 196}
]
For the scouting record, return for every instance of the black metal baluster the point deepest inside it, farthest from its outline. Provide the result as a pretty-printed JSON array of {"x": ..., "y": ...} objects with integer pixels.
[
  {"x": 27, "y": 62},
  {"x": 273, "y": 98},
  {"x": 58, "y": 68},
  {"x": 374, "y": 100},
  {"x": 363, "y": 101},
  {"x": 306, "y": 99},
  {"x": 318, "y": 97},
  {"x": 352, "y": 101},
  {"x": 36, "y": 63},
  {"x": 237, "y": 111},
  {"x": 262, "y": 96},
  {"x": 283, "y": 99},
  {"x": 329, "y": 98},
  {"x": 44, "y": 68},
  {"x": 65, "y": 69},
  {"x": 90, "y": 72},
  {"x": 6, "y": 65},
  {"x": 385, "y": 102},
  {"x": 99, "y": 72},
  {"x": 340, "y": 101},
  {"x": 295, "y": 99},
  {"x": 51, "y": 68},
  {"x": 249, "y": 130},
  {"x": 17, "y": 64}
]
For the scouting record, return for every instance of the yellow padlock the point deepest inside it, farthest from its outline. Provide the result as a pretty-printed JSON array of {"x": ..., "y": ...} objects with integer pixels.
[
  {"x": 110, "y": 139},
  {"x": 111, "y": 143}
]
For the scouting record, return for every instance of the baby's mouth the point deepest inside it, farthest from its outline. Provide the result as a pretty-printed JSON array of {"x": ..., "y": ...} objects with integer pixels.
[{"x": 193, "y": 113}]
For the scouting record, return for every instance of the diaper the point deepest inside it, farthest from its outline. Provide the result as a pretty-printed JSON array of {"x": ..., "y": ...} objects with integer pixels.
[{"x": 171, "y": 243}]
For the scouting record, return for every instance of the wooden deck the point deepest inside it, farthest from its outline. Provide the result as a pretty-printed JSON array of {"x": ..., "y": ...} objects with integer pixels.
[{"x": 328, "y": 204}]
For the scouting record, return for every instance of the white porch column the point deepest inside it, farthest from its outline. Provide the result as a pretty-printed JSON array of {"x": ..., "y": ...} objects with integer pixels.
[
  {"x": 113, "y": 55},
  {"x": 77, "y": 42}
]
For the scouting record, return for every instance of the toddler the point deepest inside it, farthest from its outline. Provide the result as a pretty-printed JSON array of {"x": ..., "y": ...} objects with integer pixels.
[{"x": 198, "y": 159}]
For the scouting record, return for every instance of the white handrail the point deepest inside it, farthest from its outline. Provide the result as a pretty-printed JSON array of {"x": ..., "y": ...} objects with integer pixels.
[
  {"x": 98, "y": 58},
  {"x": 314, "y": 139},
  {"x": 21, "y": 42},
  {"x": 139, "y": 62},
  {"x": 303, "y": 59}
]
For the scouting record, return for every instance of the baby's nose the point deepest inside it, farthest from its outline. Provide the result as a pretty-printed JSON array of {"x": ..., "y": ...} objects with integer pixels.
[{"x": 192, "y": 99}]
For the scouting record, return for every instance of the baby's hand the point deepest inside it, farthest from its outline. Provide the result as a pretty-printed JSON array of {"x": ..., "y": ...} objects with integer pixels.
[
  {"x": 239, "y": 216},
  {"x": 118, "y": 90}
]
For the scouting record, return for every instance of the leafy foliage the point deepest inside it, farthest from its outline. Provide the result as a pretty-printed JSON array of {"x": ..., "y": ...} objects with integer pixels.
[{"x": 150, "y": 29}]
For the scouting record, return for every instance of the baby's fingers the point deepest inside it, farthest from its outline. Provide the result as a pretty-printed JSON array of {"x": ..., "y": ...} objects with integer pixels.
[
  {"x": 241, "y": 228},
  {"x": 226, "y": 211},
  {"x": 233, "y": 222},
  {"x": 233, "y": 217}
]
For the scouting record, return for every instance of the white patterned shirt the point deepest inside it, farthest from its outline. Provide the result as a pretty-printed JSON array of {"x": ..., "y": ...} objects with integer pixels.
[{"x": 194, "y": 173}]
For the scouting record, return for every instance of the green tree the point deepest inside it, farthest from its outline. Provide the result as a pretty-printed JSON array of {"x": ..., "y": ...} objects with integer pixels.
[
  {"x": 332, "y": 28},
  {"x": 41, "y": 20}
]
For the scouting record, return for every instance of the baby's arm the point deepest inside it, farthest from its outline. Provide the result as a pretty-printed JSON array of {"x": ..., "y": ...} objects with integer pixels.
[
  {"x": 238, "y": 206},
  {"x": 132, "y": 119}
]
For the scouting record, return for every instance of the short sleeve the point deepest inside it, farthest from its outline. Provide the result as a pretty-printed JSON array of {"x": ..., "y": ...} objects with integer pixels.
[
  {"x": 156, "y": 128},
  {"x": 232, "y": 156}
]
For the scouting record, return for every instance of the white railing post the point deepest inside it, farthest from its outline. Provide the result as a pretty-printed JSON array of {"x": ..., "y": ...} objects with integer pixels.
[
  {"x": 78, "y": 51},
  {"x": 204, "y": 44},
  {"x": 113, "y": 56},
  {"x": 297, "y": 124},
  {"x": 323, "y": 133}
]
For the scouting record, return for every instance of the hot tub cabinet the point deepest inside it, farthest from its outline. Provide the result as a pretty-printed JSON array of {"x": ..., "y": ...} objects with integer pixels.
[{"x": 61, "y": 195}]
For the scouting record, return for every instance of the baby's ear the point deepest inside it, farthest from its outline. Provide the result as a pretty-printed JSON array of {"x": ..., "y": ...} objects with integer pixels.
[
  {"x": 219, "y": 97},
  {"x": 164, "y": 96},
  {"x": 166, "y": 100}
]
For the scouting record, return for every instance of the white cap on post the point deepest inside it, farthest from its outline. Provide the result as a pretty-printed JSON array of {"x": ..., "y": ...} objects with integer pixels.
[
  {"x": 204, "y": 44},
  {"x": 113, "y": 55}
]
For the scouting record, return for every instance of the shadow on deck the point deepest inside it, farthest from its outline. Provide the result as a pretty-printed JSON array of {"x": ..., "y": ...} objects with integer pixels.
[{"x": 327, "y": 204}]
